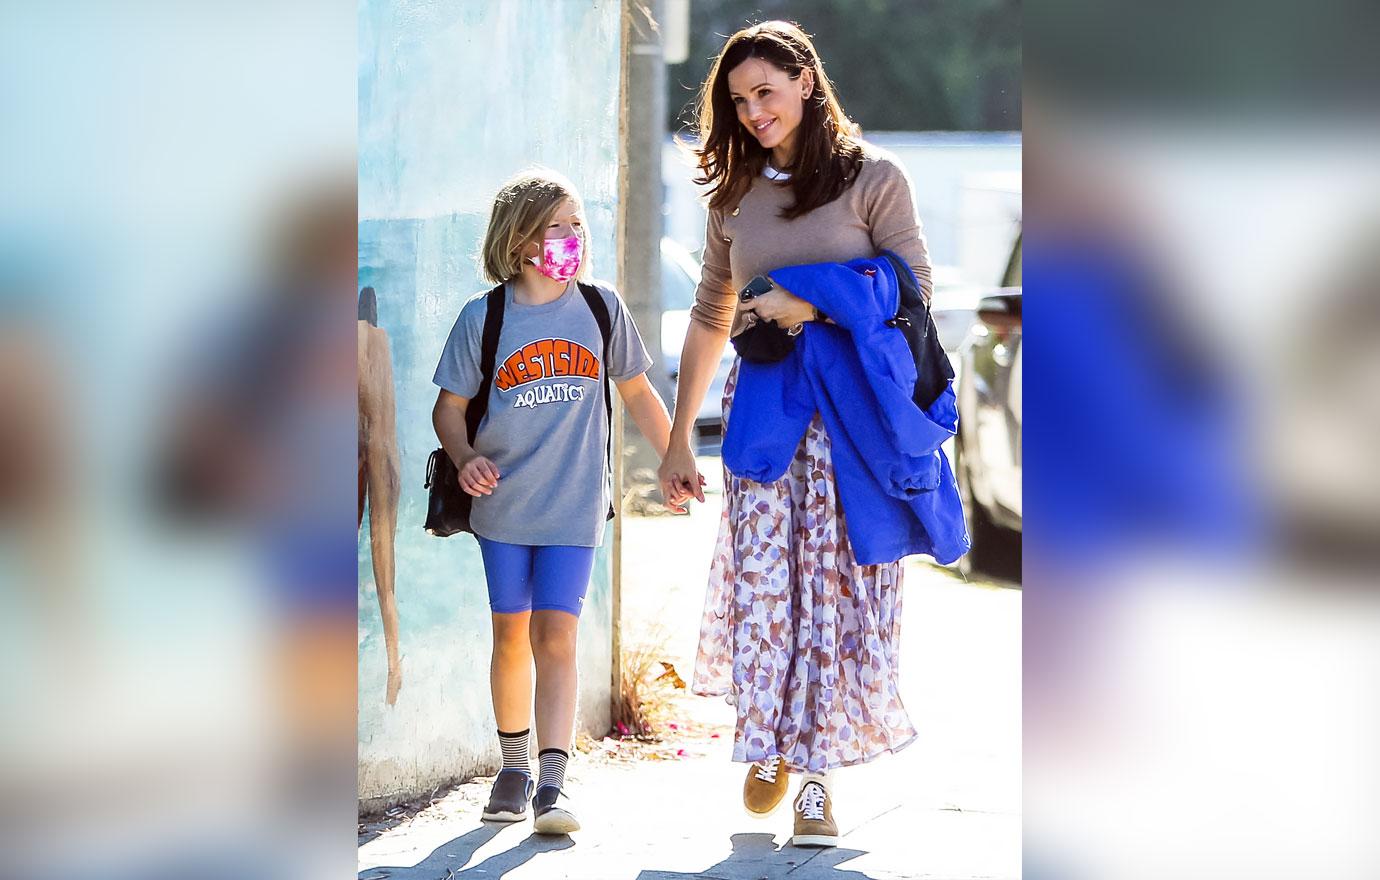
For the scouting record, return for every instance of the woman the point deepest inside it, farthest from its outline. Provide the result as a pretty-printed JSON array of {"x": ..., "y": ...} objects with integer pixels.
[{"x": 801, "y": 637}]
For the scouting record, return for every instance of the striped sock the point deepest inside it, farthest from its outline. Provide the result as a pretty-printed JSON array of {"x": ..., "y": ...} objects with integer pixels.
[
  {"x": 515, "y": 750},
  {"x": 552, "y": 771}
]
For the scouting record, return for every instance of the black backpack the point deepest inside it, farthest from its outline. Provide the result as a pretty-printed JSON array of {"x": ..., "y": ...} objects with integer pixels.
[
  {"x": 932, "y": 367},
  {"x": 448, "y": 506}
]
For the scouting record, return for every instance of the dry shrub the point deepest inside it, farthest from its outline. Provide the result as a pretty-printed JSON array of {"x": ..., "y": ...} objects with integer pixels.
[{"x": 643, "y": 706}]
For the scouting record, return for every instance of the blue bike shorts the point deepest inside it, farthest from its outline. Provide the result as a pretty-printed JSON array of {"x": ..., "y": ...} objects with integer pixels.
[{"x": 523, "y": 578}]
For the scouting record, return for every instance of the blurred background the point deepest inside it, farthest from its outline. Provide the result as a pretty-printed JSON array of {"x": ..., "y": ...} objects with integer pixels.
[
  {"x": 177, "y": 424},
  {"x": 1202, "y": 646}
]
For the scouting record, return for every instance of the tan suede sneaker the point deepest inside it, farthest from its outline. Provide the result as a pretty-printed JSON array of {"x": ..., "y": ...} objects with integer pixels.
[
  {"x": 765, "y": 786},
  {"x": 814, "y": 818}
]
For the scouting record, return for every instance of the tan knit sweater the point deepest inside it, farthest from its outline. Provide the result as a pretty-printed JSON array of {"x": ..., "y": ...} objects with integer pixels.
[{"x": 876, "y": 213}]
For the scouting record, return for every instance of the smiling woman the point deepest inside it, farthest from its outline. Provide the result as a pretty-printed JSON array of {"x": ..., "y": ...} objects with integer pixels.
[
  {"x": 801, "y": 627},
  {"x": 767, "y": 98}
]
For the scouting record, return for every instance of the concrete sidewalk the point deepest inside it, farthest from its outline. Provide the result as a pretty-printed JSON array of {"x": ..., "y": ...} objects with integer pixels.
[{"x": 946, "y": 807}]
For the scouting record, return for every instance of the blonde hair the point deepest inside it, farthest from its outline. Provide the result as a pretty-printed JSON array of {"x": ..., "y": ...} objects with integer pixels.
[{"x": 522, "y": 209}]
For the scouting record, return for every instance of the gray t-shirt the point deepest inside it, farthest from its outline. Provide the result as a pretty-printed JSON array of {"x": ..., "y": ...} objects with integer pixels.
[{"x": 545, "y": 429}]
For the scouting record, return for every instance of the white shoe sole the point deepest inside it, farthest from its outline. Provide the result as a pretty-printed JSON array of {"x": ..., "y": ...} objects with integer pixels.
[
  {"x": 815, "y": 840},
  {"x": 556, "y": 821},
  {"x": 504, "y": 816}
]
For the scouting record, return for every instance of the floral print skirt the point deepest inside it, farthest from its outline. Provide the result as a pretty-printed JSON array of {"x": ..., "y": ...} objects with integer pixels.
[{"x": 802, "y": 640}]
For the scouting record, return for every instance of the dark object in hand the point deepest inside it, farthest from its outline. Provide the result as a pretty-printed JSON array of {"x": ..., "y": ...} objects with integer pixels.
[{"x": 762, "y": 342}]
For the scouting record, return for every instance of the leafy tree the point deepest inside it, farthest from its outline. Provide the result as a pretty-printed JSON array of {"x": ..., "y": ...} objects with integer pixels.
[{"x": 922, "y": 65}]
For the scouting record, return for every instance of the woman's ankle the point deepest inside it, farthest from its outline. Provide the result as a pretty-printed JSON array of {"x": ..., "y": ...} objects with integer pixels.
[{"x": 825, "y": 779}]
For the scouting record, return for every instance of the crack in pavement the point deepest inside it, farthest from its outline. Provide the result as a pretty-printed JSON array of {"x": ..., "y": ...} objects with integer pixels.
[{"x": 891, "y": 809}]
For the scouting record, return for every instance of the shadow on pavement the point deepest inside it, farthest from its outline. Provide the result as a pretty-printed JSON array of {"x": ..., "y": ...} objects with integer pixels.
[
  {"x": 755, "y": 856},
  {"x": 373, "y": 824},
  {"x": 450, "y": 860}
]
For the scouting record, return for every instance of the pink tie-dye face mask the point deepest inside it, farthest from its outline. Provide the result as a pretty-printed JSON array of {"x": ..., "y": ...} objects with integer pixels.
[{"x": 560, "y": 257}]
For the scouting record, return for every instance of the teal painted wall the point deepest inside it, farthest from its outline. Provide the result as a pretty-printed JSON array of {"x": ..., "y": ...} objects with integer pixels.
[{"x": 454, "y": 97}]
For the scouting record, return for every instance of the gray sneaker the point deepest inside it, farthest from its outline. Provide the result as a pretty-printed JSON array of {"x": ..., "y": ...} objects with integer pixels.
[
  {"x": 508, "y": 800},
  {"x": 551, "y": 819}
]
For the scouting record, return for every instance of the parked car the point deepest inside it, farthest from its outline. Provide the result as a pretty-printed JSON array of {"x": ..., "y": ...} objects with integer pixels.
[
  {"x": 680, "y": 275},
  {"x": 988, "y": 448},
  {"x": 953, "y": 306}
]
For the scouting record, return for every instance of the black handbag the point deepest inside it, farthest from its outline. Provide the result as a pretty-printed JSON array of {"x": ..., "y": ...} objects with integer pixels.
[
  {"x": 933, "y": 372},
  {"x": 448, "y": 506},
  {"x": 762, "y": 342}
]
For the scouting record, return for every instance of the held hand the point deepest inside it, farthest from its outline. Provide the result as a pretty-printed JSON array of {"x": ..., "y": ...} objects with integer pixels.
[
  {"x": 781, "y": 306},
  {"x": 679, "y": 478},
  {"x": 479, "y": 476}
]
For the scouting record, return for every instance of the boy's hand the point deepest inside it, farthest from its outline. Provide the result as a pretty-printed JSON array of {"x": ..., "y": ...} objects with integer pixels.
[{"x": 479, "y": 476}]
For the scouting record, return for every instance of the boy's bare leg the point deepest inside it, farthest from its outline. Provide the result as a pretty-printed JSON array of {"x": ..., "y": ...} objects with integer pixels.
[
  {"x": 553, "y": 636},
  {"x": 510, "y": 672}
]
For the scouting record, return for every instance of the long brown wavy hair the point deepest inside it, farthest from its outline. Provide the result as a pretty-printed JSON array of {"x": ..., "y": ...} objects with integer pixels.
[{"x": 828, "y": 153}]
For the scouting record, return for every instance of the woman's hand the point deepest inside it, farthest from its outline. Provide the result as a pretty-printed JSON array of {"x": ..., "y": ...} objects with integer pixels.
[
  {"x": 679, "y": 477},
  {"x": 478, "y": 476},
  {"x": 781, "y": 306}
]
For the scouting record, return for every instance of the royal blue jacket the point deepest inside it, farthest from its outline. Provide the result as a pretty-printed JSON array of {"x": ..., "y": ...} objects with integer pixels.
[{"x": 895, "y": 485}]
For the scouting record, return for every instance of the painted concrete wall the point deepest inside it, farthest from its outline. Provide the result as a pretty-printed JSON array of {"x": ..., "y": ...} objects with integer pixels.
[{"x": 454, "y": 97}]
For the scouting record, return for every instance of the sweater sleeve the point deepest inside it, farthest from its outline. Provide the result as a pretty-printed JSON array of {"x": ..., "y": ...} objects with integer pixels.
[
  {"x": 715, "y": 302},
  {"x": 893, "y": 222}
]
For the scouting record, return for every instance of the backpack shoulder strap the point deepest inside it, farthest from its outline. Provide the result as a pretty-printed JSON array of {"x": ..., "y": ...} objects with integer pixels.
[
  {"x": 493, "y": 325},
  {"x": 488, "y": 354},
  {"x": 595, "y": 300}
]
